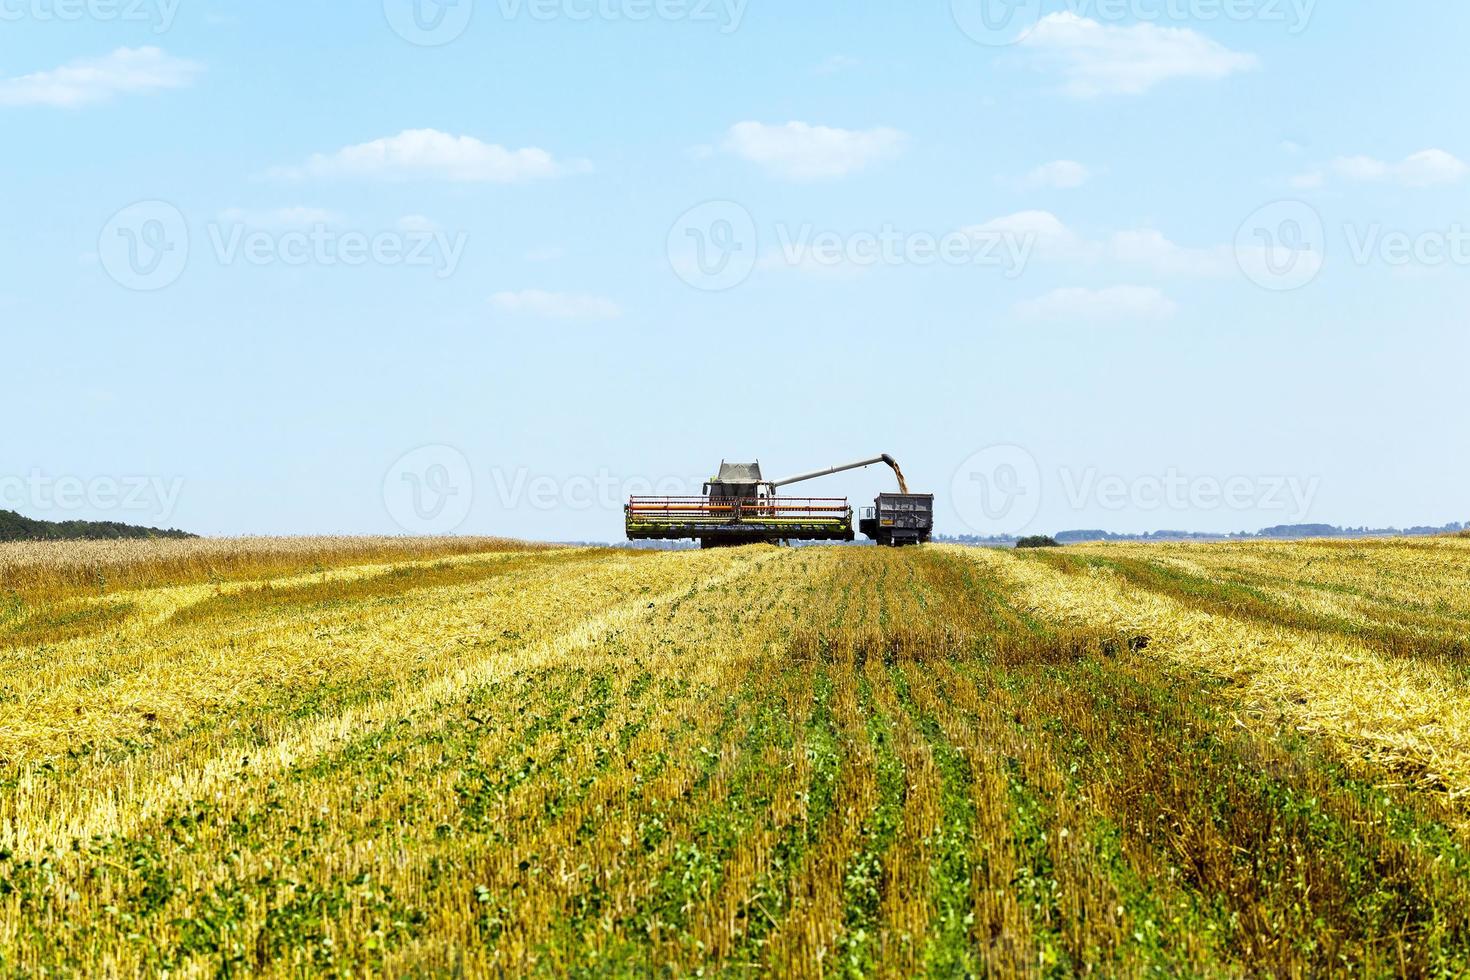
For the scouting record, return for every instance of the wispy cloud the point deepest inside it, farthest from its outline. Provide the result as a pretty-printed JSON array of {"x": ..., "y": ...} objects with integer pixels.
[
  {"x": 1427, "y": 168},
  {"x": 279, "y": 217},
  {"x": 801, "y": 151},
  {"x": 417, "y": 223},
  {"x": 428, "y": 154},
  {"x": 92, "y": 81},
  {"x": 1112, "y": 303},
  {"x": 1057, "y": 175},
  {"x": 556, "y": 306},
  {"x": 1097, "y": 59},
  {"x": 835, "y": 64},
  {"x": 1144, "y": 249}
]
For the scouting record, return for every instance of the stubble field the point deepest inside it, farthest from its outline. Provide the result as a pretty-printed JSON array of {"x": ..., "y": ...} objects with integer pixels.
[{"x": 478, "y": 757}]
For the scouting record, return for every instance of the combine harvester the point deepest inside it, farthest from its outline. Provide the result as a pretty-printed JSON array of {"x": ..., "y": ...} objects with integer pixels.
[{"x": 739, "y": 507}]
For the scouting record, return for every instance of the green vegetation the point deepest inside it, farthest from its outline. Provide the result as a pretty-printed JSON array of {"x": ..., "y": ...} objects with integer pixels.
[{"x": 14, "y": 527}]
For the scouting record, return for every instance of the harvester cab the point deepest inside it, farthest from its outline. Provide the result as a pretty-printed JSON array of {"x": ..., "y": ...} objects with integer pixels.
[{"x": 737, "y": 481}]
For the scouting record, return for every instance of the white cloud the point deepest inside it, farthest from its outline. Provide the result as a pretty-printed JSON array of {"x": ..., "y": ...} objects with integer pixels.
[
  {"x": 1053, "y": 238},
  {"x": 1145, "y": 249},
  {"x": 1112, "y": 303},
  {"x": 427, "y": 154},
  {"x": 800, "y": 151},
  {"x": 556, "y": 306},
  {"x": 1360, "y": 168},
  {"x": 1098, "y": 59},
  {"x": 1150, "y": 249},
  {"x": 836, "y": 63},
  {"x": 1057, "y": 175},
  {"x": 91, "y": 81},
  {"x": 417, "y": 223},
  {"x": 1427, "y": 168},
  {"x": 279, "y": 217}
]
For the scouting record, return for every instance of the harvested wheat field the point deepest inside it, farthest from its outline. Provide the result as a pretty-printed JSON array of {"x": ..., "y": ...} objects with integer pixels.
[{"x": 476, "y": 757}]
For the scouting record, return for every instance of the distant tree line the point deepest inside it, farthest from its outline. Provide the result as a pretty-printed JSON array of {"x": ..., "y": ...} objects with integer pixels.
[
  {"x": 1281, "y": 531},
  {"x": 14, "y": 527}
]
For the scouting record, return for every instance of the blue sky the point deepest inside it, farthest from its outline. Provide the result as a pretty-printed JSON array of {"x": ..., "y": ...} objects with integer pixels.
[{"x": 279, "y": 267}]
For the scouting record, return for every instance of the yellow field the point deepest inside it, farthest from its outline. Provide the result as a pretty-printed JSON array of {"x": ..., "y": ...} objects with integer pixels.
[{"x": 476, "y": 757}]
